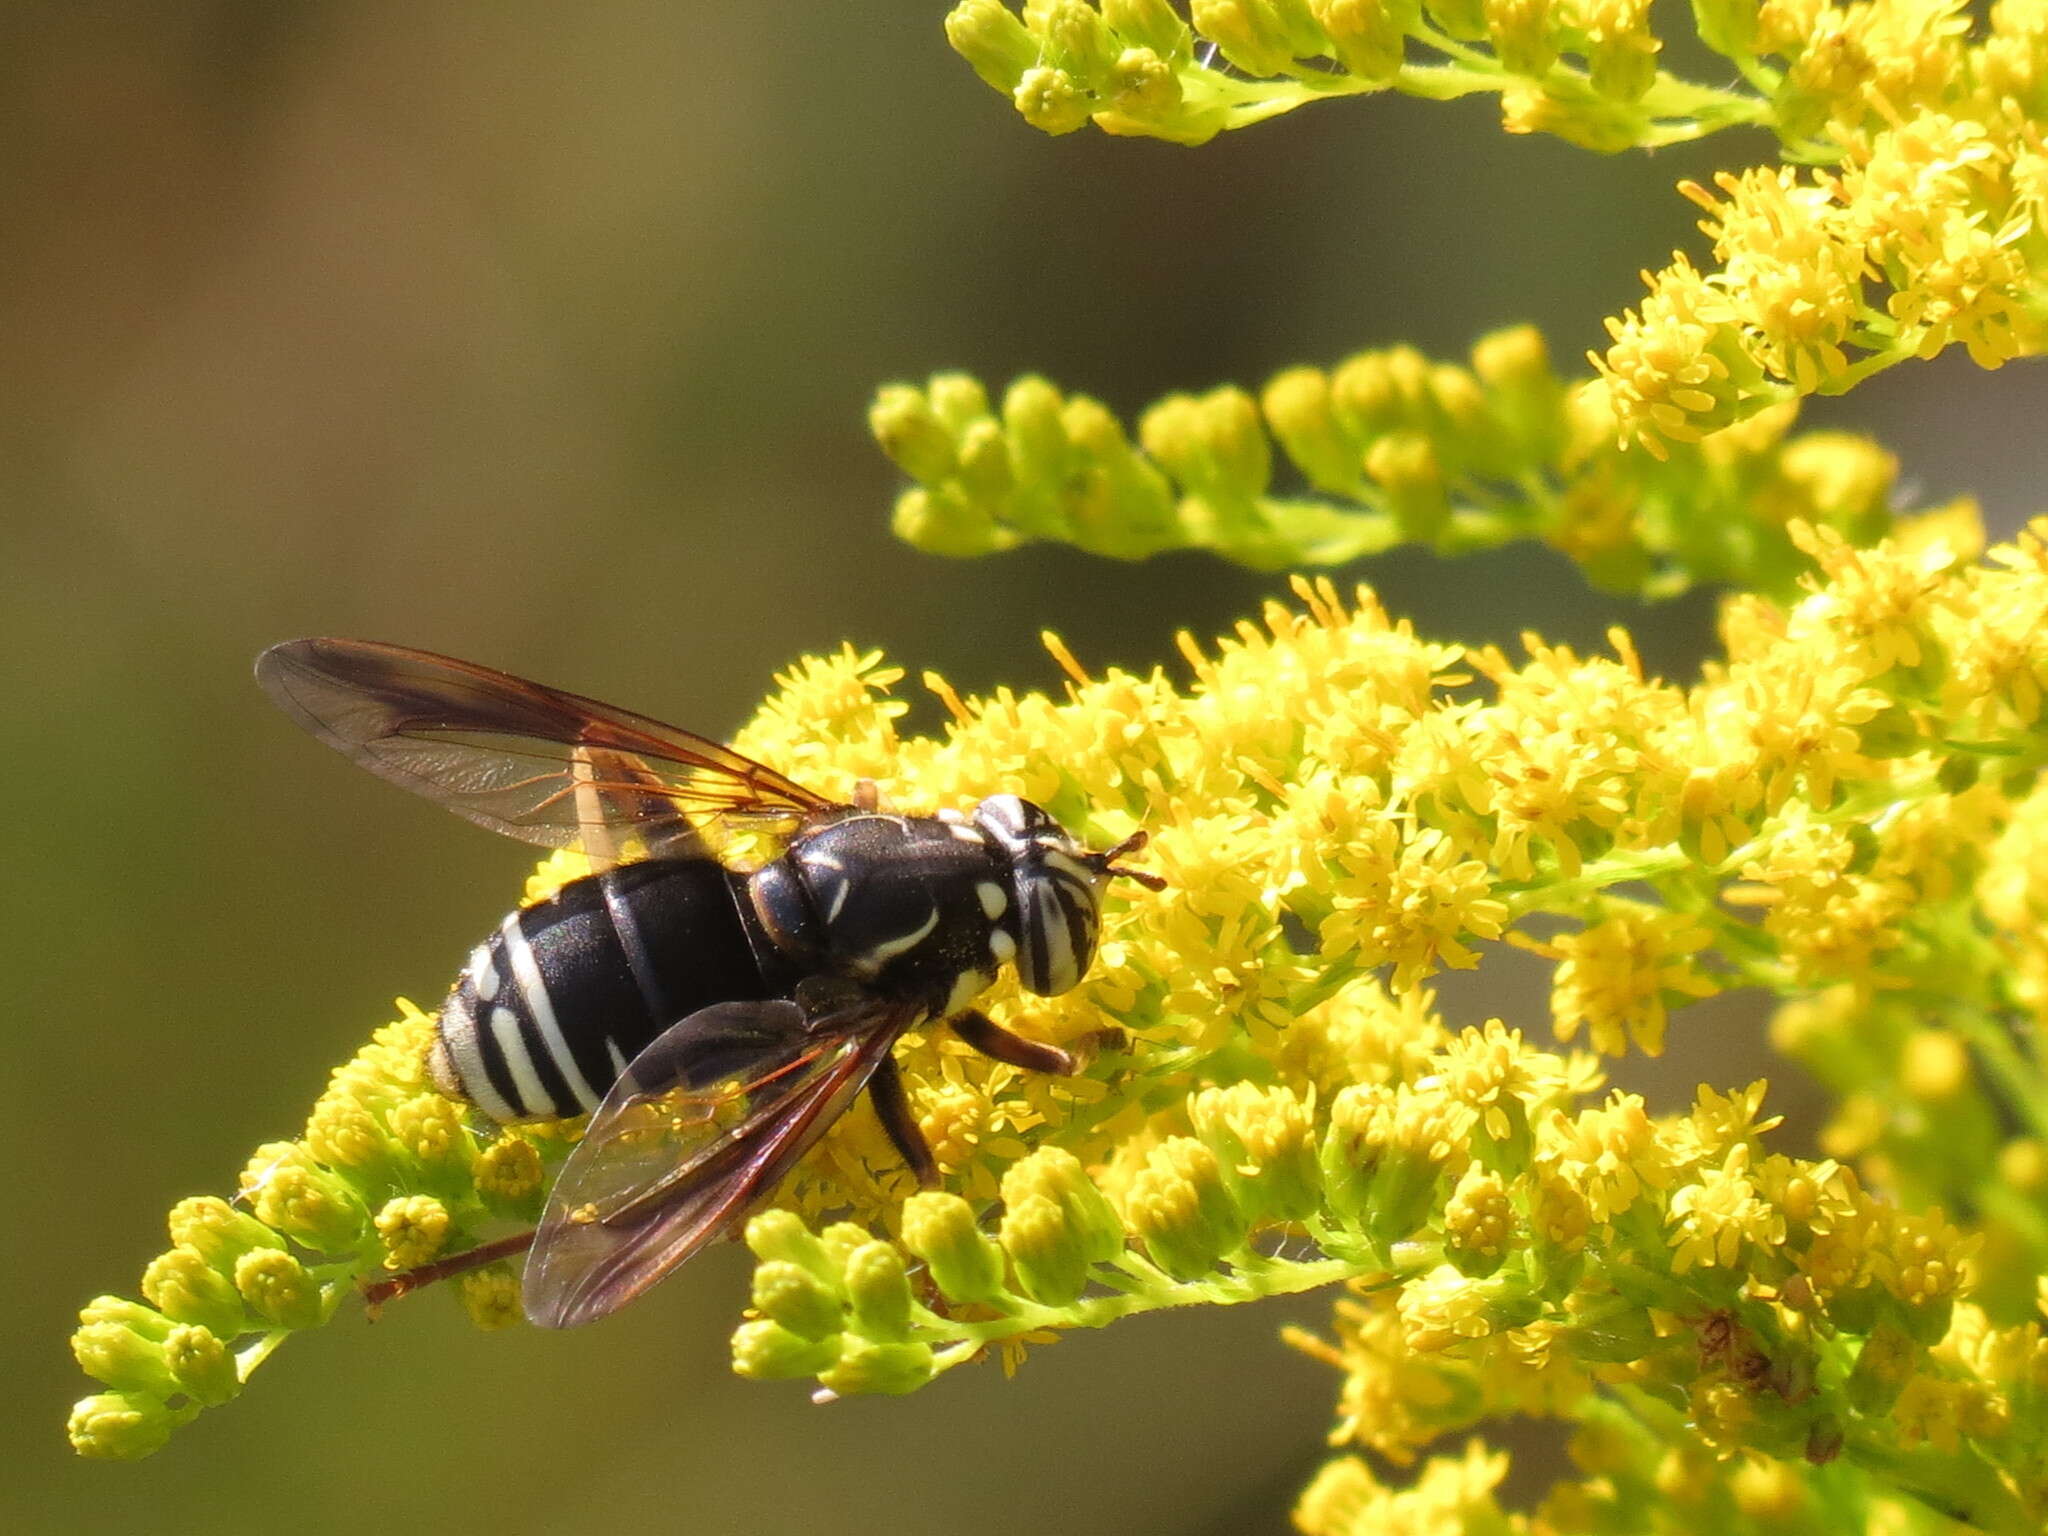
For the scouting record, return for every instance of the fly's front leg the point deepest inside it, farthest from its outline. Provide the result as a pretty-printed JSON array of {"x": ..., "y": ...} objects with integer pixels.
[
  {"x": 892, "y": 1108},
  {"x": 991, "y": 1039}
]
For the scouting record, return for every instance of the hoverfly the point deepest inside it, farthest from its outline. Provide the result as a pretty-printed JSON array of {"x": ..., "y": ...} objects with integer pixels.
[{"x": 736, "y": 968}]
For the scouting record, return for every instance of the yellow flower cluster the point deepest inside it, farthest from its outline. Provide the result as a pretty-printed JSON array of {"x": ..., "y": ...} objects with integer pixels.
[
  {"x": 1920, "y": 230},
  {"x": 1340, "y": 809}
]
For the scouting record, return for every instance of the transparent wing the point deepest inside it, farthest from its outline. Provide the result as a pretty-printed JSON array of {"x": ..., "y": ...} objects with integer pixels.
[
  {"x": 521, "y": 758},
  {"x": 707, "y": 1118}
]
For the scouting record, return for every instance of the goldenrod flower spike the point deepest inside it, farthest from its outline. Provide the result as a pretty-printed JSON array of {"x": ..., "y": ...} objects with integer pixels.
[{"x": 1395, "y": 448}]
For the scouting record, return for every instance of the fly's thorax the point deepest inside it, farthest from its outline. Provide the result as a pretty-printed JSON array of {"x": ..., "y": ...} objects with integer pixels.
[
  {"x": 912, "y": 905},
  {"x": 1054, "y": 892}
]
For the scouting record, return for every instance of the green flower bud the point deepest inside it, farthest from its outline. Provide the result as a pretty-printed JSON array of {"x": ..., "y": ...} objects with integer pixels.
[
  {"x": 413, "y": 1229},
  {"x": 1044, "y": 1251},
  {"x": 1367, "y": 37},
  {"x": 944, "y": 522},
  {"x": 1463, "y": 19},
  {"x": 1264, "y": 1140},
  {"x": 509, "y": 1176},
  {"x": 1623, "y": 68},
  {"x": 1058, "y": 1175},
  {"x": 1145, "y": 86},
  {"x": 1298, "y": 406},
  {"x": 1180, "y": 1207},
  {"x": 940, "y": 1229},
  {"x": 958, "y": 400},
  {"x": 910, "y": 432},
  {"x": 132, "y": 1315},
  {"x": 122, "y": 1426},
  {"x": 218, "y": 1232},
  {"x": 1479, "y": 1222},
  {"x": 886, "y": 1369},
  {"x": 123, "y": 1359},
  {"x": 1051, "y": 101},
  {"x": 202, "y": 1365},
  {"x": 1406, "y": 468},
  {"x": 990, "y": 38},
  {"x": 879, "y": 1291},
  {"x": 985, "y": 473},
  {"x": 490, "y": 1297},
  {"x": 1032, "y": 412},
  {"x": 764, "y": 1350},
  {"x": 1077, "y": 39},
  {"x": 290, "y": 1191},
  {"x": 1152, "y": 24},
  {"x": 1366, "y": 397},
  {"x": 780, "y": 1234},
  {"x": 277, "y": 1289},
  {"x": 1247, "y": 32},
  {"x": 186, "y": 1289},
  {"x": 1883, "y": 1366},
  {"x": 1528, "y": 398},
  {"x": 1524, "y": 34},
  {"x": 427, "y": 1129},
  {"x": 839, "y": 1240},
  {"x": 799, "y": 1299}
]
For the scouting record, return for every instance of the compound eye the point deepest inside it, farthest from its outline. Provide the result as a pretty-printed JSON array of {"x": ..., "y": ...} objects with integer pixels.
[{"x": 1058, "y": 921}]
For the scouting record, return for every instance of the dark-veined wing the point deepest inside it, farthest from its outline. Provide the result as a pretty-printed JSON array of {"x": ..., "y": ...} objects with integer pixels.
[
  {"x": 521, "y": 758},
  {"x": 706, "y": 1119}
]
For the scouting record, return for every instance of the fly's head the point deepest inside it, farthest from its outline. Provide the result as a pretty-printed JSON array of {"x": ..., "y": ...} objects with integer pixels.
[{"x": 1056, "y": 885}]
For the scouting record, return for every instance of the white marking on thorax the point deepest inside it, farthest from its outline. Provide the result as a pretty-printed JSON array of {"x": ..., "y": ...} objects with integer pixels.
[
  {"x": 838, "y": 904},
  {"x": 889, "y": 949},
  {"x": 967, "y": 986},
  {"x": 967, "y": 834},
  {"x": 526, "y": 972},
  {"x": 1001, "y": 945},
  {"x": 992, "y": 899}
]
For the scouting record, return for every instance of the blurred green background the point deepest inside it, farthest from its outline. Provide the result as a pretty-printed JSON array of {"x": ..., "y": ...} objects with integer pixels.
[{"x": 546, "y": 339}]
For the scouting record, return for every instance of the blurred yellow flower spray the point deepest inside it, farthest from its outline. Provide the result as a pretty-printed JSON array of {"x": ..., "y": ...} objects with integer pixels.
[{"x": 1847, "y": 809}]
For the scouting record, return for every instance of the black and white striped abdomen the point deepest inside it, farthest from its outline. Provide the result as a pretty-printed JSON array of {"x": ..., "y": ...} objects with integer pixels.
[{"x": 554, "y": 1004}]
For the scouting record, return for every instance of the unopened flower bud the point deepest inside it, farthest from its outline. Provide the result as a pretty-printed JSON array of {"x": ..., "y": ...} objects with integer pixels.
[
  {"x": 1178, "y": 1205},
  {"x": 764, "y": 1350},
  {"x": 123, "y": 1359},
  {"x": 490, "y": 1297},
  {"x": 287, "y": 1189},
  {"x": 910, "y": 432},
  {"x": 870, "y": 1367},
  {"x": 1044, "y": 1251},
  {"x": 277, "y": 1289},
  {"x": 988, "y": 35},
  {"x": 413, "y": 1229},
  {"x": 201, "y": 1365},
  {"x": 879, "y": 1291},
  {"x": 186, "y": 1289},
  {"x": 798, "y": 1299},
  {"x": 218, "y": 1232},
  {"x": 779, "y": 1234},
  {"x": 122, "y": 1426},
  {"x": 1052, "y": 101},
  {"x": 1297, "y": 404},
  {"x": 940, "y": 1229}
]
